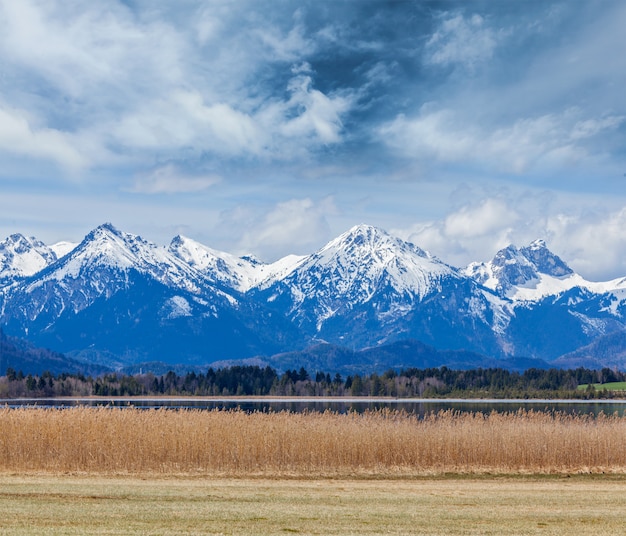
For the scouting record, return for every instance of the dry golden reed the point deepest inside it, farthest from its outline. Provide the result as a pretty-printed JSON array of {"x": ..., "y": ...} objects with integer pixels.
[{"x": 108, "y": 440}]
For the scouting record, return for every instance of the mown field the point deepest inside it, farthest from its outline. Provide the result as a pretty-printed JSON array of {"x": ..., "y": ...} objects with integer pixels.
[{"x": 86, "y": 505}]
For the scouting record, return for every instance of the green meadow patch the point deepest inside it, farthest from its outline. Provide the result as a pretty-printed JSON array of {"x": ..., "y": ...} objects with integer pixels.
[{"x": 610, "y": 386}]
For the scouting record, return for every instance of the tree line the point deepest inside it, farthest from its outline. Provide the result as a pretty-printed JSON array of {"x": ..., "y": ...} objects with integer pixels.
[{"x": 439, "y": 382}]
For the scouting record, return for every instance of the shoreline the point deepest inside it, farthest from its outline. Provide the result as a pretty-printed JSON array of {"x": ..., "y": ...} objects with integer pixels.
[{"x": 316, "y": 399}]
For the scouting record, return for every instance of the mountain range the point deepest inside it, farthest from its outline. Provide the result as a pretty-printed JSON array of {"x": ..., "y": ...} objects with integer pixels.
[{"x": 116, "y": 300}]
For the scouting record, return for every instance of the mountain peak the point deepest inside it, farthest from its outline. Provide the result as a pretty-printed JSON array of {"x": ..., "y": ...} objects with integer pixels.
[
  {"x": 22, "y": 257},
  {"x": 361, "y": 234},
  {"x": 365, "y": 229},
  {"x": 544, "y": 260},
  {"x": 178, "y": 240},
  {"x": 105, "y": 229},
  {"x": 367, "y": 238},
  {"x": 219, "y": 267},
  {"x": 513, "y": 268},
  {"x": 538, "y": 244},
  {"x": 363, "y": 265}
]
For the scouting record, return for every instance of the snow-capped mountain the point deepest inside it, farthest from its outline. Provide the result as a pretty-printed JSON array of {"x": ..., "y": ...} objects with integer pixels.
[
  {"x": 532, "y": 273},
  {"x": 353, "y": 269},
  {"x": 23, "y": 257},
  {"x": 554, "y": 310},
  {"x": 239, "y": 273},
  {"x": 515, "y": 270},
  {"x": 100, "y": 266},
  {"x": 119, "y": 295},
  {"x": 367, "y": 287},
  {"x": 116, "y": 299}
]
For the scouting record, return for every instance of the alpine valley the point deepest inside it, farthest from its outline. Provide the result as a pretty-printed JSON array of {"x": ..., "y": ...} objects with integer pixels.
[{"x": 365, "y": 302}]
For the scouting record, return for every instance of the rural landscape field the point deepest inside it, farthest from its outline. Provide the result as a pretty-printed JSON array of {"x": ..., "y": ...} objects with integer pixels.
[
  {"x": 331, "y": 267},
  {"x": 130, "y": 471},
  {"x": 84, "y": 505}
]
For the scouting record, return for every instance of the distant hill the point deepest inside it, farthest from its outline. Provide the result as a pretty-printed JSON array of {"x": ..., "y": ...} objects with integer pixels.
[
  {"x": 605, "y": 351},
  {"x": 21, "y": 355},
  {"x": 398, "y": 355}
]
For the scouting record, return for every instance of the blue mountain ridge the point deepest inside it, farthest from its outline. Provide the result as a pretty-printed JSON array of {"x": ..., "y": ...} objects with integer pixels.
[{"x": 116, "y": 300}]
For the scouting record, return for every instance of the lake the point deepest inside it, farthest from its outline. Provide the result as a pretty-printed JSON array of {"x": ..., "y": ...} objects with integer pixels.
[{"x": 418, "y": 406}]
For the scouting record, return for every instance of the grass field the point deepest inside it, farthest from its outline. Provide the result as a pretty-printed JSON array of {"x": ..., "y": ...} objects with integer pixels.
[
  {"x": 610, "y": 386},
  {"x": 86, "y": 505}
]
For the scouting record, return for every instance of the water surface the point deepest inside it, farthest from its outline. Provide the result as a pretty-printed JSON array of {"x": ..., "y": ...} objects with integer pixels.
[{"x": 418, "y": 406}]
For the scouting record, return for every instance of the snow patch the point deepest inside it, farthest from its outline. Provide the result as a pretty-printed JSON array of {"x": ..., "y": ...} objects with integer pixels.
[{"x": 178, "y": 307}]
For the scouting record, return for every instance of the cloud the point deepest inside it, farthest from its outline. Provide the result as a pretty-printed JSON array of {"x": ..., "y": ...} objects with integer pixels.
[
  {"x": 79, "y": 49},
  {"x": 297, "y": 226},
  {"x": 135, "y": 84},
  {"x": 513, "y": 98},
  {"x": 466, "y": 41},
  {"x": 182, "y": 120},
  {"x": 592, "y": 242},
  {"x": 289, "y": 47},
  {"x": 130, "y": 85},
  {"x": 279, "y": 129},
  {"x": 20, "y": 136},
  {"x": 488, "y": 217},
  {"x": 544, "y": 142},
  {"x": 170, "y": 180},
  {"x": 318, "y": 115},
  {"x": 472, "y": 232}
]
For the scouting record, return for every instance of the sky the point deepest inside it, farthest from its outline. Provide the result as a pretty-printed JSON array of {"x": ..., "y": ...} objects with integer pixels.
[{"x": 269, "y": 127}]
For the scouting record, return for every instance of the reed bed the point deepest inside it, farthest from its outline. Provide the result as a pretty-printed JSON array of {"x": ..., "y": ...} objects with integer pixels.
[{"x": 231, "y": 443}]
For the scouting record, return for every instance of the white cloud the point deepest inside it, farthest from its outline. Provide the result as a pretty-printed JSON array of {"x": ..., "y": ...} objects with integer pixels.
[
  {"x": 591, "y": 240},
  {"x": 318, "y": 115},
  {"x": 472, "y": 232},
  {"x": 183, "y": 120},
  {"x": 20, "y": 136},
  {"x": 279, "y": 129},
  {"x": 80, "y": 49},
  {"x": 169, "y": 180},
  {"x": 488, "y": 217},
  {"x": 125, "y": 85},
  {"x": 288, "y": 47},
  {"x": 546, "y": 141},
  {"x": 461, "y": 40},
  {"x": 594, "y": 243},
  {"x": 297, "y": 226}
]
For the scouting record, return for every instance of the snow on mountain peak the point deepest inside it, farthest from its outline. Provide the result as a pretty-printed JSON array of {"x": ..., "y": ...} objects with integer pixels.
[
  {"x": 362, "y": 262},
  {"x": 527, "y": 273},
  {"x": 546, "y": 262},
  {"x": 220, "y": 267},
  {"x": 23, "y": 257},
  {"x": 62, "y": 248},
  {"x": 106, "y": 250},
  {"x": 363, "y": 287},
  {"x": 239, "y": 273},
  {"x": 367, "y": 243}
]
